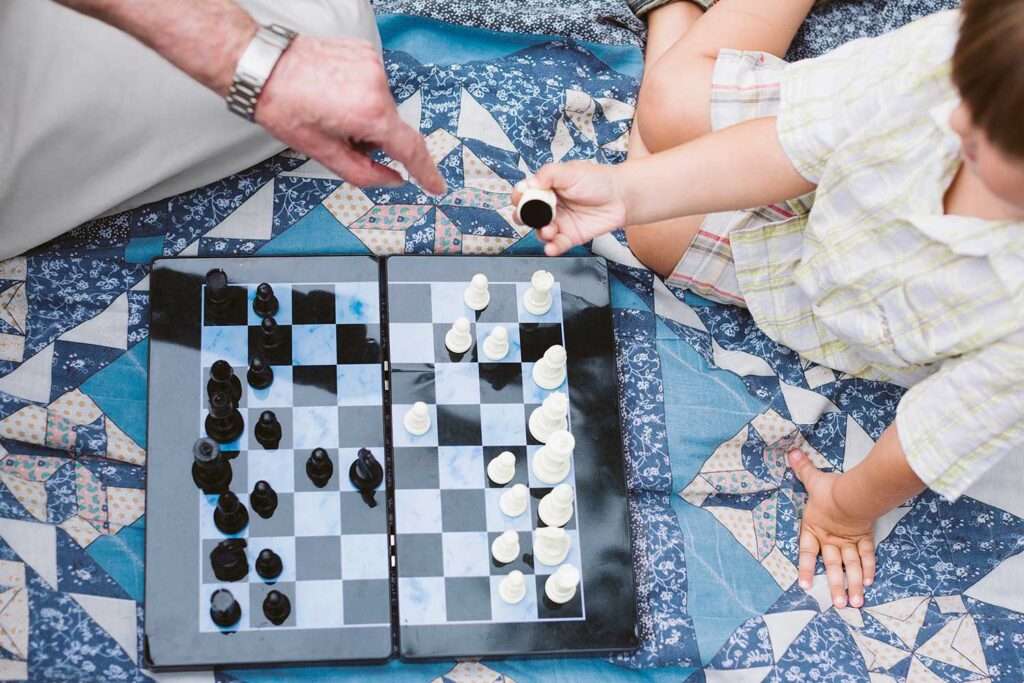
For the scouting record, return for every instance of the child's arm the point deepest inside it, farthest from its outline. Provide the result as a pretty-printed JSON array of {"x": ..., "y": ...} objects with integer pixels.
[
  {"x": 838, "y": 522},
  {"x": 735, "y": 168}
]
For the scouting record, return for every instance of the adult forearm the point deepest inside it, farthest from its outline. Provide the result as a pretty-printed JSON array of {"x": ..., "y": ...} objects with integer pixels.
[
  {"x": 735, "y": 168},
  {"x": 879, "y": 483},
  {"x": 203, "y": 38}
]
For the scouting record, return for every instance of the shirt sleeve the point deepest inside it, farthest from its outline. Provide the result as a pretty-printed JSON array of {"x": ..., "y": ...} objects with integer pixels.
[
  {"x": 825, "y": 100},
  {"x": 956, "y": 424}
]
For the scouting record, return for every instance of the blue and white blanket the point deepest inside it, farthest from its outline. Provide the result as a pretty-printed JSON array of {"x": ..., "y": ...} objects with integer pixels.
[{"x": 710, "y": 405}]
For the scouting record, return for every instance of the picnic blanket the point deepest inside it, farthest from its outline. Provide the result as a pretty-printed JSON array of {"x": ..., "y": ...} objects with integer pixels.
[{"x": 709, "y": 404}]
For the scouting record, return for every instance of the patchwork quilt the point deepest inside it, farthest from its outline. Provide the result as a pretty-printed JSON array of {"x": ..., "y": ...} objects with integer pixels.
[{"x": 710, "y": 406}]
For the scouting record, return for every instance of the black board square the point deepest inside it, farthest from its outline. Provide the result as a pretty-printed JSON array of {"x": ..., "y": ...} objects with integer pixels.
[
  {"x": 501, "y": 383},
  {"x": 360, "y": 427},
  {"x": 416, "y": 468},
  {"x": 420, "y": 555},
  {"x": 411, "y": 382},
  {"x": 359, "y": 344},
  {"x": 502, "y": 308},
  {"x": 458, "y": 425},
  {"x": 366, "y": 601},
  {"x": 312, "y": 305},
  {"x": 234, "y": 310},
  {"x": 315, "y": 385},
  {"x": 463, "y": 510},
  {"x": 468, "y": 598},
  {"x": 536, "y": 338},
  {"x": 546, "y": 609},
  {"x": 409, "y": 303},
  {"x": 278, "y": 355}
]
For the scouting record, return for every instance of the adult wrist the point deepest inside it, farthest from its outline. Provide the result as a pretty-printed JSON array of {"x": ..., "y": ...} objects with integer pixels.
[
  {"x": 255, "y": 66},
  {"x": 242, "y": 30}
]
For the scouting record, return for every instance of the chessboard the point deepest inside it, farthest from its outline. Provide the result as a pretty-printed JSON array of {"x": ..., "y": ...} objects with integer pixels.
[{"x": 314, "y": 526}]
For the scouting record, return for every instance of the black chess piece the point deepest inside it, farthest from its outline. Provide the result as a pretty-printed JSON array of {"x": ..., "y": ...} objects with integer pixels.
[
  {"x": 216, "y": 287},
  {"x": 268, "y": 430},
  {"x": 276, "y": 607},
  {"x": 224, "y": 609},
  {"x": 319, "y": 468},
  {"x": 270, "y": 334},
  {"x": 265, "y": 304},
  {"x": 229, "y": 561},
  {"x": 263, "y": 499},
  {"x": 211, "y": 471},
  {"x": 230, "y": 516},
  {"x": 224, "y": 380},
  {"x": 260, "y": 375},
  {"x": 268, "y": 564},
  {"x": 366, "y": 474},
  {"x": 224, "y": 424}
]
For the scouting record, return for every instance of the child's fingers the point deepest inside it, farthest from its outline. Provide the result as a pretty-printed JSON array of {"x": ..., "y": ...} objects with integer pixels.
[
  {"x": 834, "y": 573},
  {"x": 854, "y": 575},
  {"x": 549, "y": 232},
  {"x": 808, "y": 558},
  {"x": 866, "y": 548}
]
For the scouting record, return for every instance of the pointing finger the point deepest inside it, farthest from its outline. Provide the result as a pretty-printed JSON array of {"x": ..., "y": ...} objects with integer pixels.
[{"x": 402, "y": 143}]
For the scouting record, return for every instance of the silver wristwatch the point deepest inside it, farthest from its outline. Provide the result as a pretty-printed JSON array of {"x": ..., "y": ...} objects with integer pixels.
[{"x": 255, "y": 66}]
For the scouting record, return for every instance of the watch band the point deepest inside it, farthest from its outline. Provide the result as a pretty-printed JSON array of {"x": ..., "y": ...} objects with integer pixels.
[{"x": 255, "y": 66}]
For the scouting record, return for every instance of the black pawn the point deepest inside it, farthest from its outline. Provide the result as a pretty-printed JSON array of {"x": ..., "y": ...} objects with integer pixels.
[
  {"x": 224, "y": 609},
  {"x": 270, "y": 334},
  {"x": 276, "y": 607},
  {"x": 260, "y": 375},
  {"x": 366, "y": 474},
  {"x": 268, "y": 564},
  {"x": 265, "y": 304},
  {"x": 229, "y": 561},
  {"x": 263, "y": 499},
  {"x": 216, "y": 287},
  {"x": 268, "y": 430},
  {"x": 224, "y": 423},
  {"x": 223, "y": 380},
  {"x": 230, "y": 515},
  {"x": 211, "y": 471},
  {"x": 319, "y": 468}
]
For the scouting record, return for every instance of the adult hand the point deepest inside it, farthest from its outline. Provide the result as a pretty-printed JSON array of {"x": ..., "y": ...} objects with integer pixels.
[
  {"x": 589, "y": 203},
  {"x": 842, "y": 540},
  {"x": 329, "y": 99}
]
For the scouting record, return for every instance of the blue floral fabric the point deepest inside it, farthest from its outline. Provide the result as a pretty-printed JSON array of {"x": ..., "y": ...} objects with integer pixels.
[{"x": 708, "y": 404}]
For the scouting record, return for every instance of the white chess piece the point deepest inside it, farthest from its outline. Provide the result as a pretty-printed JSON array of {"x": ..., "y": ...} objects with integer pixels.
[
  {"x": 551, "y": 416},
  {"x": 537, "y": 207},
  {"x": 417, "y": 419},
  {"x": 549, "y": 371},
  {"x": 496, "y": 343},
  {"x": 552, "y": 461},
  {"x": 502, "y": 468},
  {"x": 537, "y": 299},
  {"x": 555, "y": 509},
  {"x": 551, "y": 545},
  {"x": 505, "y": 548},
  {"x": 458, "y": 339},
  {"x": 512, "y": 588},
  {"x": 515, "y": 500},
  {"x": 561, "y": 586},
  {"x": 477, "y": 295}
]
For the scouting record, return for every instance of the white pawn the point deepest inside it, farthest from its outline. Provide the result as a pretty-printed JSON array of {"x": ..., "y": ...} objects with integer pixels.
[
  {"x": 555, "y": 509},
  {"x": 514, "y": 501},
  {"x": 552, "y": 461},
  {"x": 561, "y": 586},
  {"x": 537, "y": 299},
  {"x": 550, "y": 416},
  {"x": 458, "y": 339},
  {"x": 502, "y": 469},
  {"x": 549, "y": 371},
  {"x": 496, "y": 343},
  {"x": 505, "y": 548},
  {"x": 417, "y": 420},
  {"x": 477, "y": 296},
  {"x": 551, "y": 545},
  {"x": 512, "y": 588}
]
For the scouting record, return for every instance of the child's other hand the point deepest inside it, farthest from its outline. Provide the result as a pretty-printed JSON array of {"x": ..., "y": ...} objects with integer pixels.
[
  {"x": 842, "y": 541},
  {"x": 589, "y": 203}
]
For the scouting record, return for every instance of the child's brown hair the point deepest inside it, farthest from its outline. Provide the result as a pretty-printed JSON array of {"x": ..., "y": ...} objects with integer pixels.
[{"x": 988, "y": 70}]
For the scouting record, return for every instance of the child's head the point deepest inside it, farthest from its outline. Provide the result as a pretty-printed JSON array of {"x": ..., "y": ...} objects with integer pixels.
[{"x": 989, "y": 73}]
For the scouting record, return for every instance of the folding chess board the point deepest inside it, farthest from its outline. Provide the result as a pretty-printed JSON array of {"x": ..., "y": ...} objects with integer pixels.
[{"x": 405, "y": 570}]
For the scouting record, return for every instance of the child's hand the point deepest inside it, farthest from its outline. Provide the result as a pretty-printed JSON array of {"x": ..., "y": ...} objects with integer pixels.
[
  {"x": 589, "y": 203},
  {"x": 841, "y": 539}
]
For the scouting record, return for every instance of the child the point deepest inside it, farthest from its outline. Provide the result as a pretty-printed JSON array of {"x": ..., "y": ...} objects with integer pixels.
[{"x": 906, "y": 265}]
